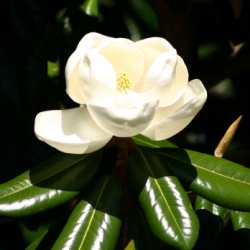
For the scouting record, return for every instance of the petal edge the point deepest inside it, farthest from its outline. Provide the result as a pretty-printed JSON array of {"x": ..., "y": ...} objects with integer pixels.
[
  {"x": 70, "y": 131},
  {"x": 171, "y": 120}
]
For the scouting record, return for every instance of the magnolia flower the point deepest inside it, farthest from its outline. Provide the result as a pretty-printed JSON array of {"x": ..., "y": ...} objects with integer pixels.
[{"x": 123, "y": 88}]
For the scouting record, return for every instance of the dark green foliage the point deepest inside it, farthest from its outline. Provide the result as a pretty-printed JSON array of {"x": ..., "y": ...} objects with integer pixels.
[
  {"x": 102, "y": 210},
  {"x": 37, "y": 38}
]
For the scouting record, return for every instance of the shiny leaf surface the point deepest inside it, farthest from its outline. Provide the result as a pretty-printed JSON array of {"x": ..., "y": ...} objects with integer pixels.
[
  {"x": 53, "y": 69},
  {"x": 130, "y": 246},
  {"x": 90, "y": 7},
  {"x": 203, "y": 204},
  {"x": 34, "y": 245},
  {"x": 165, "y": 203},
  {"x": 240, "y": 220},
  {"x": 135, "y": 231},
  {"x": 50, "y": 184},
  {"x": 31, "y": 235},
  {"x": 221, "y": 181},
  {"x": 94, "y": 223},
  {"x": 146, "y": 142}
]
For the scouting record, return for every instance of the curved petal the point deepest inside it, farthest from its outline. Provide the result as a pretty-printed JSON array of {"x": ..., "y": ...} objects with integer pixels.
[
  {"x": 171, "y": 120},
  {"x": 169, "y": 93},
  {"x": 98, "y": 78},
  {"x": 166, "y": 75},
  {"x": 161, "y": 72},
  {"x": 71, "y": 131},
  {"x": 125, "y": 57},
  {"x": 127, "y": 115},
  {"x": 153, "y": 47},
  {"x": 73, "y": 86}
]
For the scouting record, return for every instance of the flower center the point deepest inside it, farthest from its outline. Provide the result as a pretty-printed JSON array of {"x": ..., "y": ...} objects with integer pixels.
[{"x": 123, "y": 82}]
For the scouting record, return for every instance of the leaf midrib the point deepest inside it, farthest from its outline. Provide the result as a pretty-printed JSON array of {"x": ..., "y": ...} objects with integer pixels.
[
  {"x": 208, "y": 170},
  {"x": 29, "y": 185},
  {"x": 146, "y": 142},
  {"x": 93, "y": 214},
  {"x": 162, "y": 193}
]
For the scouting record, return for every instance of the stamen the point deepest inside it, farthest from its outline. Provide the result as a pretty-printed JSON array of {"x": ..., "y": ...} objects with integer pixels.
[{"x": 123, "y": 82}]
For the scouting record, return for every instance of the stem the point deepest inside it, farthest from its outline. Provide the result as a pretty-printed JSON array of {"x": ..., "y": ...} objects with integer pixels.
[{"x": 124, "y": 146}]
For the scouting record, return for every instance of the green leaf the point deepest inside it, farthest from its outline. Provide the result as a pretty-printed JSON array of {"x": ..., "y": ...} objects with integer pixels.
[
  {"x": 146, "y": 13},
  {"x": 130, "y": 246},
  {"x": 53, "y": 69},
  {"x": 135, "y": 229},
  {"x": 30, "y": 235},
  {"x": 240, "y": 220},
  {"x": 90, "y": 7},
  {"x": 220, "y": 181},
  {"x": 211, "y": 228},
  {"x": 52, "y": 183},
  {"x": 203, "y": 204},
  {"x": 34, "y": 244},
  {"x": 94, "y": 223},
  {"x": 146, "y": 142},
  {"x": 133, "y": 29},
  {"x": 165, "y": 203},
  {"x": 208, "y": 51}
]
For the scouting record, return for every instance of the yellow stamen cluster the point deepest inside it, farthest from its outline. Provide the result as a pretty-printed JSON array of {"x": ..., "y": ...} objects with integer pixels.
[{"x": 123, "y": 82}]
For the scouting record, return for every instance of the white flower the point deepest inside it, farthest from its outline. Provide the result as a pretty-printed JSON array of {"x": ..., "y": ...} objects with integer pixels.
[{"x": 124, "y": 88}]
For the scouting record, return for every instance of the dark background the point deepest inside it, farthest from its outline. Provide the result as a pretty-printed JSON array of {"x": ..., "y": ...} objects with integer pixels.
[{"x": 211, "y": 36}]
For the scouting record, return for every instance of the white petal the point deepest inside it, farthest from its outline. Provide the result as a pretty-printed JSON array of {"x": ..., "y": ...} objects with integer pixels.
[
  {"x": 73, "y": 84},
  {"x": 171, "y": 92},
  {"x": 161, "y": 72},
  {"x": 127, "y": 115},
  {"x": 153, "y": 47},
  {"x": 125, "y": 57},
  {"x": 71, "y": 131},
  {"x": 166, "y": 75},
  {"x": 98, "y": 78},
  {"x": 91, "y": 40},
  {"x": 171, "y": 120}
]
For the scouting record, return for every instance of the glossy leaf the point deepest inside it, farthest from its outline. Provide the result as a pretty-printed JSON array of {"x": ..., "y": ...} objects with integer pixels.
[
  {"x": 211, "y": 229},
  {"x": 30, "y": 235},
  {"x": 94, "y": 223},
  {"x": 90, "y": 7},
  {"x": 52, "y": 183},
  {"x": 146, "y": 13},
  {"x": 53, "y": 69},
  {"x": 165, "y": 203},
  {"x": 130, "y": 246},
  {"x": 240, "y": 220},
  {"x": 34, "y": 244},
  {"x": 135, "y": 231},
  {"x": 146, "y": 142},
  {"x": 203, "y": 204},
  {"x": 221, "y": 181},
  {"x": 133, "y": 28}
]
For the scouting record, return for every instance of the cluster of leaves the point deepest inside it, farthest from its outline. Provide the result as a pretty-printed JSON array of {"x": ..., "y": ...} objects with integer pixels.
[
  {"x": 212, "y": 36},
  {"x": 106, "y": 198}
]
